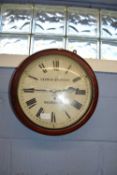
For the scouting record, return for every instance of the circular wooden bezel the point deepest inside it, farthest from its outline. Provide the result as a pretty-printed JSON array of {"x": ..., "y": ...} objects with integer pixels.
[{"x": 14, "y": 96}]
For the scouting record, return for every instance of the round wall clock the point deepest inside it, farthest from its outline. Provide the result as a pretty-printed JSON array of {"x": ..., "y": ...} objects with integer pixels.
[{"x": 54, "y": 92}]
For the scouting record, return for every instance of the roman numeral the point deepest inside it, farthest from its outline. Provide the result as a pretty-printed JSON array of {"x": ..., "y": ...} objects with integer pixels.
[
  {"x": 68, "y": 69},
  {"x": 56, "y": 65},
  {"x": 76, "y": 104},
  {"x": 53, "y": 118},
  {"x": 34, "y": 78},
  {"x": 28, "y": 90},
  {"x": 31, "y": 103},
  {"x": 67, "y": 115},
  {"x": 39, "y": 112},
  {"x": 76, "y": 79},
  {"x": 43, "y": 68},
  {"x": 80, "y": 92}
]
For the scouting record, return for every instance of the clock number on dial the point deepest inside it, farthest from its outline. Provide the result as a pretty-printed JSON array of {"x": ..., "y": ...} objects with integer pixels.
[
  {"x": 28, "y": 90},
  {"x": 39, "y": 112},
  {"x": 34, "y": 78},
  {"x": 56, "y": 65},
  {"x": 76, "y": 104},
  {"x": 76, "y": 79},
  {"x": 68, "y": 69},
  {"x": 80, "y": 92},
  {"x": 31, "y": 103},
  {"x": 53, "y": 118},
  {"x": 67, "y": 115},
  {"x": 43, "y": 68}
]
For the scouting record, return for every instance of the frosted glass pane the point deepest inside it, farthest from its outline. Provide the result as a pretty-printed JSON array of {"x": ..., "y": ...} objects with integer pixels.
[
  {"x": 16, "y": 19},
  {"x": 109, "y": 26},
  {"x": 14, "y": 44},
  {"x": 40, "y": 43},
  {"x": 48, "y": 22},
  {"x": 82, "y": 24},
  {"x": 109, "y": 51},
  {"x": 86, "y": 49}
]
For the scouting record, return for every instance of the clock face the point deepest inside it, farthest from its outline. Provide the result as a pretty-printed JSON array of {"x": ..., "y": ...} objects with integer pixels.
[{"x": 54, "y": 92}]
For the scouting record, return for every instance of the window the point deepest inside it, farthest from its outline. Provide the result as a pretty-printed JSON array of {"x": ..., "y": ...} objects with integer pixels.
[
  {"x": 108, "y": 35},
  {"x": 26, "y": 29}
]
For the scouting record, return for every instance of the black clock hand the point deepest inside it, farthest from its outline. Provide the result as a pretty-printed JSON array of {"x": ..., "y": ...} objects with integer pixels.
[
  {"x": 72, "y": 89},
  {"x": 31, "y": 90},
  {"x": 69, "y": 89}
]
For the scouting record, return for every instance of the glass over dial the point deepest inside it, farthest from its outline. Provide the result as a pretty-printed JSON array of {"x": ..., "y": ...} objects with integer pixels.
[{"x": 54, "y": 92}]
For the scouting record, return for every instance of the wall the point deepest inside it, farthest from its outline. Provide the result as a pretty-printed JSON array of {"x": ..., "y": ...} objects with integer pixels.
[{"x": 91, "y": 150}]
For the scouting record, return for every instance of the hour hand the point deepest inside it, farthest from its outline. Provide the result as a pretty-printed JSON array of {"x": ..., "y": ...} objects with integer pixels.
[
  {"x": 76, "y": 90},
  {"x": 72, "y": 89},
  {"x": 31, "y": 90},
  {"x": 69, "y": 89}
]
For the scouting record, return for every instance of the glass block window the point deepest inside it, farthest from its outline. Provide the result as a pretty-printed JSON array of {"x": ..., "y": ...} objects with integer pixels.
[
  {"x": 49, "y": 20},
  {"x": 109, "y": 24},
  {"x": 85, "y": 48},
  {"x": 108, "y": 35},
  {"x": 48, "y": 30},
  {"x": 83, "y": 31},
  {"x": 16, "y": 18},
  {"x": 109, "y": 50},
  {"x": 26, "y": 29},
  {"x": 46, "y": 42},
  {"x": 16, "y": 24},
  {"x": 82, "y": 22},
  {"x": 14, "y": 44}
]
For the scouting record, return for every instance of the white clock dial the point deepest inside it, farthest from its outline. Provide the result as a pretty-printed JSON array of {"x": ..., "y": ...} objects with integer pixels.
[{"x": 54, "y": 92}]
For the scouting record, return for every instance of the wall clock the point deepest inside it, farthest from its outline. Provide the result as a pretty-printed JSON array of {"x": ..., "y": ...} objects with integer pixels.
[{"x": 54, "y": 92}]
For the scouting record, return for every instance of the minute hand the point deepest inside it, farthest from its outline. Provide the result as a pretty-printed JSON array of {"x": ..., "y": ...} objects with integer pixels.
[
  {"x": 69, "y": 89},
  {"x": 31, "y": 90}
]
